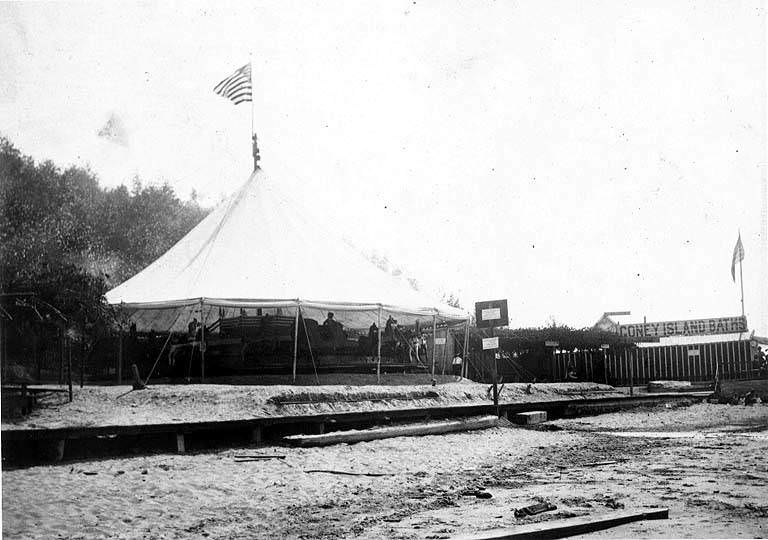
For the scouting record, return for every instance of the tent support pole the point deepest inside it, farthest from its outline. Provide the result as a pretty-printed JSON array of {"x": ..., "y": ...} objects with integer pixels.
[
  {"x": 378, "y": 348},
  {"x": 119, "y": 357},
  {"x": 202, "y": 341},
  {"x": 465, "y": 367},
  {"x": 296, "y": 340},
  {"x": 434, "y": 346},
  {"x": 445, "y": 349}
]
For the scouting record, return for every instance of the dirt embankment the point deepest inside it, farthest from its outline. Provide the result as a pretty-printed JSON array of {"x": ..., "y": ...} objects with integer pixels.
[{"x": 163, "y": 403}]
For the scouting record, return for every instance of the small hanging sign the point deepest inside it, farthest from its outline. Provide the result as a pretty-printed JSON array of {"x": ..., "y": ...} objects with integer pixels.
[
  {"x": 490, "y": 343},
  {"x": 491, "y": 313}
]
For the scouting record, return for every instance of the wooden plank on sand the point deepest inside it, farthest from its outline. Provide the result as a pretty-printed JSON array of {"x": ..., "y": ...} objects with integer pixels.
[
  {"x": 411, "y": 430},
  {"x": 570, "y": 527}
]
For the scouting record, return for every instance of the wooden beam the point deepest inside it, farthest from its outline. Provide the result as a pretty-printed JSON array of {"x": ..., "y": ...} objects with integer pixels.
[
  {"x": 570, "y": 527},
  {"x": 411, "y": 430}
]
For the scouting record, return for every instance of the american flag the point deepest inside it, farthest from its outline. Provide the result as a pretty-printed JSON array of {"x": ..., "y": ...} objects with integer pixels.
[
  {"x": 237, "y": 86},
  {"x": 738, "y": 256}
]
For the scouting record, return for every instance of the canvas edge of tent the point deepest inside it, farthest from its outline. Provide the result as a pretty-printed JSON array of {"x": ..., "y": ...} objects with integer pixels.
[{"x": 451, "y": 317}]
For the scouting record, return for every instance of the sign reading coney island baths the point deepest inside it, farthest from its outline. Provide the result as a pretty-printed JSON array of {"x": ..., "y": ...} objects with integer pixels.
[{"x": 694, "y": 327}]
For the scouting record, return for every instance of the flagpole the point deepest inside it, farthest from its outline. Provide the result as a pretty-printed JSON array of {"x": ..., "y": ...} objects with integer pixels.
[
  {"x": 741, "y": 278},
  {"x": 250, "y": 63},
  {"x": 253, "y": 132}
]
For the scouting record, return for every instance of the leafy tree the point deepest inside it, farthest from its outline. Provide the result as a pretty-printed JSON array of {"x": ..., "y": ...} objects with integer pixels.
[{"x": 68, "y": 240}]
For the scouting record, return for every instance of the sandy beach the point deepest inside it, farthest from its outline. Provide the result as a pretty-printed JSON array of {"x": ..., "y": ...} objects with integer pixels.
[{"x": 706, "y": 463}]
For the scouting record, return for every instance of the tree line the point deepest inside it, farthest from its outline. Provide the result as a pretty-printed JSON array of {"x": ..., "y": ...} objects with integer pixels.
[{"x": 67, "y": 240}]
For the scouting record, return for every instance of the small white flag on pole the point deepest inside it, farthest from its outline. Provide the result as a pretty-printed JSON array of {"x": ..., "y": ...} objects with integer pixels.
[{"x": 237, "y": 86}]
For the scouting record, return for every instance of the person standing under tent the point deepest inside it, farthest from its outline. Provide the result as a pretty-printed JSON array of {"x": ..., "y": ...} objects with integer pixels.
[
  {"x": 373, "y": 339},
  {"x": 423, "y": 347},
  {"x": 192, "y": 329},
  {"x": 456, "y": 364}
]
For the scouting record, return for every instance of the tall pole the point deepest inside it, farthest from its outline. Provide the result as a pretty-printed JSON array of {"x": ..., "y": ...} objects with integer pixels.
[
  {"x": 495, "y": 375},
  {"x": 69, "y": 367},
  {"x": 465, "y": 361},
  {"x": 254, "y": 140},
  {"x": 434, "y": 346},
  {"x": 120, "y": 357},
  {"x": 202, "y": 341},
  {"x": 296, "y": 340},
  {"x": 741, "y": 279},
  {"x": 2, "y": 347},
  {"x": 250, "y": 62},
  {"x": 378, "y": 348}
]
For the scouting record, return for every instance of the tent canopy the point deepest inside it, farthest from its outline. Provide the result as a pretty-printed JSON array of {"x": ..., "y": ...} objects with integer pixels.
[{"x": 257, "y": 249}]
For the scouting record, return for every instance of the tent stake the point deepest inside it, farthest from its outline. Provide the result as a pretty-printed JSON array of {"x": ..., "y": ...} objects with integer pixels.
[{"x": 296, "y": 340}]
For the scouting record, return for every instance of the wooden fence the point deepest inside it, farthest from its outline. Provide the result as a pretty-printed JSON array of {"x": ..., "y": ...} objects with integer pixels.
[{"x": 697, "y": 362}]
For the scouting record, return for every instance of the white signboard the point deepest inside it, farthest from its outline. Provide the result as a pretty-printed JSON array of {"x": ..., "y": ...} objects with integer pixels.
[
  {"x": 491, "y": 314},
  {"x": 490, "y": 343},
  {"x": 693, "y": 352},
  {"x": 439, "y": 341},
  {"x": 551, "y": 343}
]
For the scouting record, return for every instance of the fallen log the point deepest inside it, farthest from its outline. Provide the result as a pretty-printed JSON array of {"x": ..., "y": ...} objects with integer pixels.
[
  {"x": 601, "y": 463},
  {"x": 259, "y": 456},
  {"x": 410, "y": 430},
  {"x": 346, "y": 473},
  {"x": 570, "y": 527}
]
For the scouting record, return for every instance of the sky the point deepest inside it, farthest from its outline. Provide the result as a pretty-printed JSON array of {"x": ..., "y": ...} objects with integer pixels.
[{"x": 571, "y": 157}]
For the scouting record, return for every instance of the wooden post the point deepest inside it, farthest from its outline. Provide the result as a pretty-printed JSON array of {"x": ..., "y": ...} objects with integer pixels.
[
  {"x": 631, "y": 375},
  {"x": 731, "y": 355},
  {"x": 718, "y": 357},
  {"x": 58, "y": 449},
  {"x": 378, "y": 347},
  {"x": 35, "y": 358},
  {"x": 495, "y": 376},
  {"x": 464, "y": 359},
  {"x": 202, "y": 343},
  {"x": 120, "y": 357},
  {"x": 2, "y": 348},
  {"x": 82, "y": 352},
  {"x": 673, "y": 356},
  {"x": 739, "y": 358},
  {"x": 61, "y": 356},
  {"x": 434, "y": 346},
  {"x": 445, "y": 349},
  {"x": 180, "y": 446},
  {"x": 296, "y": 340},
  {"x": 69, "y": 367}
]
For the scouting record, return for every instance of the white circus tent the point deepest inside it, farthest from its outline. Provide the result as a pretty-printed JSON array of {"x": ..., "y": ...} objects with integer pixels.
[{"x": 259, "y": 250}]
